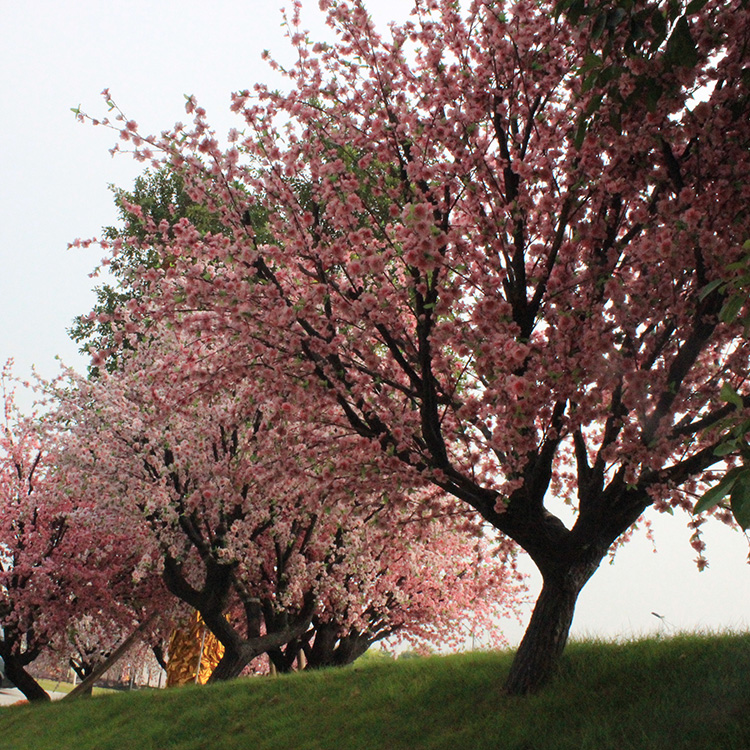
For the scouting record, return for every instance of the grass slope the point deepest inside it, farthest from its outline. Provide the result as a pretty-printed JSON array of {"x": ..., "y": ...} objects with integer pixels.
[{"x": 687, "y": 692}]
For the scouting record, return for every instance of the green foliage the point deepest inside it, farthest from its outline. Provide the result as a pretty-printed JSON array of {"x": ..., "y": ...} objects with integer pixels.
[
  {"x": 739, "y": 499},
  {"x": 658, "y": 34},
  {"x": 686, "y": 693},
  {"x": 162, "y": 197},
  {"x": 734, "y": 291},
  {"x": 736, "y": 483}
]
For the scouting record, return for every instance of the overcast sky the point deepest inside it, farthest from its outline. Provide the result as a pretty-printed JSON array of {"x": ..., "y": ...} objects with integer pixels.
[{"x": 58, "y": 54}]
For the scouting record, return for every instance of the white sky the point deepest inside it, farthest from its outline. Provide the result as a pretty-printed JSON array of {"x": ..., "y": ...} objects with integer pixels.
[{"x": 59, "y": 54}]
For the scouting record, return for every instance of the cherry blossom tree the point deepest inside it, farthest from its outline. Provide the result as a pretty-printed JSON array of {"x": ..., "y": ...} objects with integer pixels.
[
  {"x": 132, "y": 602},
  {"x": 434, "y": 586},
  {"x": 31, "y": 537},
  {"x": 501, "y": 270},
  {"x": 270, "y": 526},
  {"x": 61, "y": 563},
  {"x": 181, "y": 487},
  {"x": 43, "y": 549}
]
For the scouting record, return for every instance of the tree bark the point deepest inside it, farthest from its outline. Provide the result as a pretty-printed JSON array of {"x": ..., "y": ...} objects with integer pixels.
[
  {"x": 323, "y": 646},
  {"x": 24, "y": 681},
  {"x": 283, "y": 658},
  {"x": 330, "y": 650},
  {"x": 540, "y": 650},
  {"x": 231, "y": 664},
  {"x": 83, "y": 669},
  {"x": 238, "y": 652}
]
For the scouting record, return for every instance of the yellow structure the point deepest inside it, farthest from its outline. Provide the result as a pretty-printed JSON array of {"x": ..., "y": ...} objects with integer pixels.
[{"x": 194, "y": 653}]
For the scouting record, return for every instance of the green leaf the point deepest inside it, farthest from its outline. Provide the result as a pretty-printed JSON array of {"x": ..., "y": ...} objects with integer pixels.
[
  {"x": 715, "y": 284},
  {"x": 615, "y": 119},
  {"x": 673, "y": 9},
  {"x": 681, "y": 50},
  {"x": 580, "y": 132},
  {"x": 714, "y": 496},
  {"x": 594, "y": 104},
  {"x": 590, "y": 62},
  {"x": 740, "y": 500},
  {"x": 731, "y": 396},
  {"x": 647, "y": 90},
  {"x": 637, "y": 30},
  {"x": 659, "y": 23},
  {"x": 615, "y": 17},
  {"x": 738, "y": 265},
  {"x": 590, "y": 81},
  {"x": 725, "y": 448},
  {"x": 731, "y": 308},
  {"x": 695, "y": 6},
  {"x": 600, "y": 22}
]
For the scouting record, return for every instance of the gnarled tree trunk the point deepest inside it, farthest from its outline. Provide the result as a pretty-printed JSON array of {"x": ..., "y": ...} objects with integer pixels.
[
  {"x": 232, "y": 663},
  {"x": 239, "y": 651},
  {"x": 331, "y": 650},
  {"x": 540, "y": 650}
]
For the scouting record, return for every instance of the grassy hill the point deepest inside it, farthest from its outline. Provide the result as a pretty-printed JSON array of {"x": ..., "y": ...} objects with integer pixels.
[{"x": 686, "y": 692}]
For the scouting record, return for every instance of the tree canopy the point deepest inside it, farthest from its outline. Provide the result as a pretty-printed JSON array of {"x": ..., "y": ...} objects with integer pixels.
[
  {"x": 502, "y": 271},
  {"x": 259, "y": 519}
]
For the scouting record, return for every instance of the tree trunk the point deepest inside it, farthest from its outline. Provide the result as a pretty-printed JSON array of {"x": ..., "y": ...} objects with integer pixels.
[
  {"x": 239, "y": 652},
  {"x": 83, "y": 670},
  {"x": 232, "y": 663},
  {"x": 24, "y": 681},
  {"x": 84, "y": 688},
  {"x": 283, "y": 658},
  {"x": 337, "y": 652},
  {"x": 541, "y": 648},
  {"x": 323, "y": 645}
]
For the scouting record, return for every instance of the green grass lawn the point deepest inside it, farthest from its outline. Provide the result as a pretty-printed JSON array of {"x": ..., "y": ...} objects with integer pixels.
[{"x": 686, "y": 692}]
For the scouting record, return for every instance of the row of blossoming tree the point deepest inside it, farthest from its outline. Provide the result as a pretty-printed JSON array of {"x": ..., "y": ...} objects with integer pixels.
[
  {"x": 493, "y": 250},
  {"x": 131, "y": 501},
  {"x": 472, "y": 268}
]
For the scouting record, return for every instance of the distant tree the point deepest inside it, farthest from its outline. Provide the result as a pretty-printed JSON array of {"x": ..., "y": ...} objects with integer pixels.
[
  {"x": 336, "y": 635},
  {"x": 60, "y": 562},
  {"x": 270, "y": 527},
  {"x": 158, "y": 199},
  {"x": 31, "y": 542}
]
